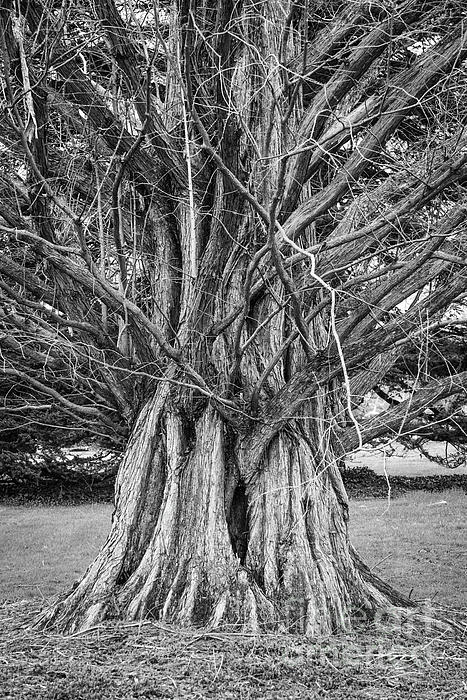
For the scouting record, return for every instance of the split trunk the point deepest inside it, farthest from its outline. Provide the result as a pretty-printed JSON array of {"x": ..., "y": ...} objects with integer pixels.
[{"x": 193, "y": 543}]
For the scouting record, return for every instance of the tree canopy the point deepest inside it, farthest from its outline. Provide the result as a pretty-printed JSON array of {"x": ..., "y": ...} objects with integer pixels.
[
  {"x": 362, "y": 161},
  {"x": 222, "y": 225}
]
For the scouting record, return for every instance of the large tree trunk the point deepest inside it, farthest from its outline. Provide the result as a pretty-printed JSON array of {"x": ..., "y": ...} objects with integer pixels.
[
  {"x": 191, "y": 543},
  {"x": 230, "y": 509}
]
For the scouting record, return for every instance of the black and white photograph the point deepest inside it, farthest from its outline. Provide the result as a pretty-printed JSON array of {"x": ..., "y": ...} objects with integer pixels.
[{"x": 233, "y": 349}]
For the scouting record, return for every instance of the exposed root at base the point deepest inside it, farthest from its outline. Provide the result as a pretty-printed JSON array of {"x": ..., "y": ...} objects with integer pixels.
[{"x": 241, "y": 606}]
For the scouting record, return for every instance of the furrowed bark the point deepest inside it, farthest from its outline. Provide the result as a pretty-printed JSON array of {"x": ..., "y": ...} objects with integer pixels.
[
  {"x": 191, "y": 543},
  {"x": 178, "y": 148}
]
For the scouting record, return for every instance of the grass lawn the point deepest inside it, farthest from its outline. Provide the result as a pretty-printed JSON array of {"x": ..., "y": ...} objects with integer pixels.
[
  {"x": 44, "y": 549},
  {"x": 417, "y": 542},
  {"x": 404, "y": 462},
  {"x": 132, "y": 662}
]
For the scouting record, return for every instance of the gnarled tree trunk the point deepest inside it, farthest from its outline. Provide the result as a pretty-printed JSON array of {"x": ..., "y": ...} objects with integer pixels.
[
  {"x": 272, "y": 225},
  {"x": 192, "y": 543}
]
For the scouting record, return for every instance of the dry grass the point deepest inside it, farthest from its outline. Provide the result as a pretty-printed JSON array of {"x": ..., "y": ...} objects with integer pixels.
[
  {"x": 122, "y": 662},
  {"x": 420, "y": 540}
]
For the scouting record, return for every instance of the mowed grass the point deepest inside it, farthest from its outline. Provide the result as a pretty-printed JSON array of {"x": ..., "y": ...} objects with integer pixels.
[
  {"x": 408, "y": 463},
  {"x": 43, "y": 549},
  {"x": 417, "y": 542}
]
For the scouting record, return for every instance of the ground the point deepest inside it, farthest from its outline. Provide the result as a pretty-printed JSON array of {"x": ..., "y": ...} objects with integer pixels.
[
  {"x": 125, "y": 662},
  {"x": 415, "y": 540},
  {"x": 401, "y": 462}
]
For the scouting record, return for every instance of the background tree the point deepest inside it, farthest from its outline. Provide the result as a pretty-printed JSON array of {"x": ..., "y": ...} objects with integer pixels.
[
  {"x": 223, "y": 224},
  {"x": 439, "y": 354},
  {"x": 32, "y": 457}
]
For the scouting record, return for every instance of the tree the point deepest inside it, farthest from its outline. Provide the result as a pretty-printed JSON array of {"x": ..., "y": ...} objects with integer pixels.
[
  {"x": 226, "y": 223},
  {"x": 30, "y": 456},
  {"x": 442, "y": 354}
]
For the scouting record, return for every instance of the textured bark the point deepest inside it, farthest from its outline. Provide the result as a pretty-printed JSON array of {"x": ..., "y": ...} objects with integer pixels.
[
  {"x": 231, "y": 357},
  {"x": 191, "y": 543}
]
